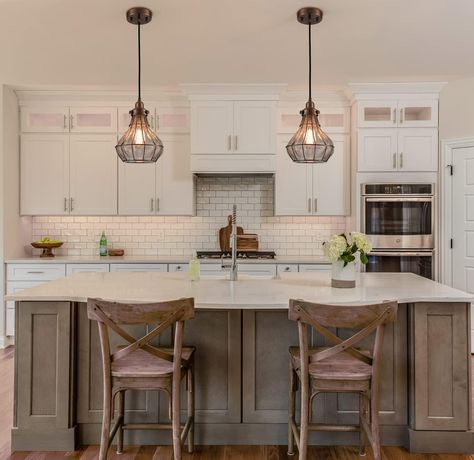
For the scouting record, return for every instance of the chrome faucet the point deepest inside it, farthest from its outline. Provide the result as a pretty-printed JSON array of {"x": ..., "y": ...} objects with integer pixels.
[{"x": 233, "y": 242}]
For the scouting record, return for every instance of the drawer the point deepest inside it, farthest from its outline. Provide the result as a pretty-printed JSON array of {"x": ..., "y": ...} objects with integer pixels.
[
  {"x": 79, "y": 268},
  {"x": 264, "y": 270},
  {"x": 288, "y": 268},
  {"x": 304, "y": 268},
  {"x": 138, "y": 267},
  {"x": 35, "y": 272},
  {"x": 178, "y": 267}
]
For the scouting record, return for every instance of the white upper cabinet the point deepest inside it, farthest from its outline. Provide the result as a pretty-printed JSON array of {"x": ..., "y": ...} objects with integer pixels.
[
  {"x": 163, "y": 188},
  {"x": 293, "y": 184},
  {"x": 233, "y": 127},
  {"x": 174, "y": 180},
  {"x": 93, "y": 174},
  {"x": 377, "y": 149},
  {"x": 331, "y": 181},
  {"x": 172, "y": 119},
  {"x": 44, "y": 120},
  {"x": 418, "y": 149},
  {"x": 44, "y": 160},
  {"x": 212, "y": 127},
  {"x": 410, "y": 149},
  {"x": 93, "y": 119},
  {"x": 313, "y": 189},
  {"x": 254, "y": 127},
  {"x": 332, "y": 119},
  {"x": 398, "y": 113},
  {"x": 136, "y": 188}
]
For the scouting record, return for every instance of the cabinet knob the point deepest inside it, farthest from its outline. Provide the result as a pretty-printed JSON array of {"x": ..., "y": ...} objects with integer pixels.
[
  {"x": 287, "y": 269},
  {"x": 178, "y": 268}
]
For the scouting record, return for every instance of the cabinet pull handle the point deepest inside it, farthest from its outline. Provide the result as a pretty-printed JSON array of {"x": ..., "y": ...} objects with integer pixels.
[
  {"x": 65, "y": 204},
  {"x": 394, "y": 161},
  {"x": 394, "y": 116},
  {"x": 315, "y": 205},
  {"x": 287, "y": 269},
  {"x": 235, "y": 143},
  {"x": 157, "y": 206},
  {"x": 309, "y": 204},
  {"x": 401, "y": 116},
  {"x": 151, "y": 204},
  {"x": 71, "y": 121},
  {"x": 65, "y": 121},
  {"x": 34, "y": 273},
  {"x": 71, "y": 204},
  {"x": 229, "y": 142},
  {"x": 401, "y": 160}
]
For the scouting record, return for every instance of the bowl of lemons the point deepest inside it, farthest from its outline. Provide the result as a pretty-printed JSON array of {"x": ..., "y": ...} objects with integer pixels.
[{"x": 47, "y": 245}]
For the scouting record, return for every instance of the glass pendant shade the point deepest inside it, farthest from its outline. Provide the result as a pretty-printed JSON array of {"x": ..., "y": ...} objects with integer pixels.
[
  {"x": 139, "y": 144},
  {"x": 310, "y": 144}
]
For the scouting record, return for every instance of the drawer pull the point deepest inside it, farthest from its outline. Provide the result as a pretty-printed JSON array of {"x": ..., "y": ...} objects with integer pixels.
[
  {"x": 35, "y": 273},
  {"x": 287, "y": 269}
]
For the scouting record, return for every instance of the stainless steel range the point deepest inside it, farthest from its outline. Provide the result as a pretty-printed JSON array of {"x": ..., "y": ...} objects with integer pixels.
[{"x": 399, "y": 219}]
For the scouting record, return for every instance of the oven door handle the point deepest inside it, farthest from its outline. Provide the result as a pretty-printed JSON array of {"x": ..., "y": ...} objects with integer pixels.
[
  {"x": 399, "y": 200},
  {"x": 404, "y": 253}
]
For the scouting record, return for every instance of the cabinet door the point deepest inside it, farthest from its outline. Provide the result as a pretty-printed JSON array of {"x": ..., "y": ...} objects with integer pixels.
[
  {"x": 41, "y": 120},
  {"x": 93, "y": 119},
  {"x": 254, "y": 127},
  {"x": 86, "y": 268},
  {"x": 212, "y": 127},
  {"x": 418, "y": 113},
  {"x": 331, "y": 181},
  {"x": 174, "y": 180},
  {"x": 292, "y": 184},
  {"x": 377, "y": 150},
  {"x": 377, "y": 114},
  {"x": 136, "y": 188},
  {"x": 418, "y": 149},
  {"x": 172, "y": 119},
  {"x": 93, "y": 174},
  {"x": 139, "y": 267},
  {"x": 44, "y": 173}
]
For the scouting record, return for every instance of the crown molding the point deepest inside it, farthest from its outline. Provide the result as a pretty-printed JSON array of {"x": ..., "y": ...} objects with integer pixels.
[
  {"x": 232, "y": 90},
  {"x": 360, "y": 90}
]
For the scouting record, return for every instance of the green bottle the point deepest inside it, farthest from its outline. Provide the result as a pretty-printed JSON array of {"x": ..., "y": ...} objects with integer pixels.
[{"x": 103, "y": 245}]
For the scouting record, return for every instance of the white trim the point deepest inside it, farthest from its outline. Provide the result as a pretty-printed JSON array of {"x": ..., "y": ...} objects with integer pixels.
[
  {"x": 237, "y": 90},
  {"x": 386, "y": 88},
  {"x": 446, "y": 184},
  {"x": 6, "y": 341}
]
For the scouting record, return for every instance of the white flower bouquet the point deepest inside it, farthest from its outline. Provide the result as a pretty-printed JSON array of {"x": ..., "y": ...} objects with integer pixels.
[{"x": 340, "y": 247}]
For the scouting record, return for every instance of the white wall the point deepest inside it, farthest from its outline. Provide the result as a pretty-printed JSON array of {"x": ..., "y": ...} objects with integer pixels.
[{"x": 456, "y": 110}]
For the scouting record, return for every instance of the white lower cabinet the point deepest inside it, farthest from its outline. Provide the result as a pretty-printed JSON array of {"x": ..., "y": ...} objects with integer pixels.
[
  {"x": 313, "y": 189},
  {"x": 290, "y": 268},
  {"x": 138, "y": 267},
  {"x": 81, "y": 268}
]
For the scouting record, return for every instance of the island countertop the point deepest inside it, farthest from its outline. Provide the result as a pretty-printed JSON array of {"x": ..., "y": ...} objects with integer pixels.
[{"x": 247, "y": 293}]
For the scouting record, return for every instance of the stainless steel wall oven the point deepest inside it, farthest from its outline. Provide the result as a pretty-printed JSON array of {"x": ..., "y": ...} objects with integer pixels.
[{"x": 399, "y": 219}]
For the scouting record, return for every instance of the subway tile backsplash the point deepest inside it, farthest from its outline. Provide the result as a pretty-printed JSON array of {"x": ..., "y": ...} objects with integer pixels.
[{"x": 182, "y": 235}]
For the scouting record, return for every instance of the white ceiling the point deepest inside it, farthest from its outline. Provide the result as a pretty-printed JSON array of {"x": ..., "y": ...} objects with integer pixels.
[{"x": 89, "y": 42}]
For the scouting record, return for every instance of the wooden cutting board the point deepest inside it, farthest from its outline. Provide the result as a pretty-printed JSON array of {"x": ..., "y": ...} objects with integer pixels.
[{"x": 224, "y": 235}]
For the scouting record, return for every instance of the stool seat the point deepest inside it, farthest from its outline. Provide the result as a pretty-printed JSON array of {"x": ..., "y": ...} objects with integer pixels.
[
  {"x": 342, "y": 366},
  {"x": 140, "y": 363}
]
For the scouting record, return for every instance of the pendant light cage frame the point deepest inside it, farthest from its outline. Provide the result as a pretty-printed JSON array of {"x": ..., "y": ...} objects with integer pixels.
[
  {"x": 139, "y": 144},
  {"x": 310, "y": 144}
]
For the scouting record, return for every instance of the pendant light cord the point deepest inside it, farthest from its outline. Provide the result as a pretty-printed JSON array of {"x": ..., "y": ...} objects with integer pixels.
[
  {"x": 309, "y": 51},
  {"x": 139, "y": 65}
]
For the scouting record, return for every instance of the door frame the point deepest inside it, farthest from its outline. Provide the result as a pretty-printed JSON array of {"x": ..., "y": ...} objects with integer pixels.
[{"x": 448, "y": 148}]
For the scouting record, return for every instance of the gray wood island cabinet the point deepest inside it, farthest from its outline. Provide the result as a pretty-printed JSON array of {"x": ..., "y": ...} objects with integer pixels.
[{"x": 242, "y": 334}]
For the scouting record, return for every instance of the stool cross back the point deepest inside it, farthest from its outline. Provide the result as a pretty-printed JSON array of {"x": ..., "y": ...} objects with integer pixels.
[
  {"x": 340, "y": 368},
  {"x": 139, "y": 365}
]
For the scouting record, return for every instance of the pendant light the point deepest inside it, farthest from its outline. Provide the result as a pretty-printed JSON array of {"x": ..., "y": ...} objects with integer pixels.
[
  {"x": 139, "y": 144},
  {"x": 310, "y": 144}
]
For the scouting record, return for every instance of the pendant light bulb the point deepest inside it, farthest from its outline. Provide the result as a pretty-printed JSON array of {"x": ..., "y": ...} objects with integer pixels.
[
  {"x": 310, "y": 144},
  {"x": 139, "y": 144}
]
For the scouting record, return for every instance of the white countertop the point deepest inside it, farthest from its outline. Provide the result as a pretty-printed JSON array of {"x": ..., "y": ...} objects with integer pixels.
[
  {"x": 247, "y": 293},
  {"x": 159, "y": 260}
]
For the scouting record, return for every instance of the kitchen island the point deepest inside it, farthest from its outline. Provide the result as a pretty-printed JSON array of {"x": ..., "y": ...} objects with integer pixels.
[{"x": 242, "y": 334}]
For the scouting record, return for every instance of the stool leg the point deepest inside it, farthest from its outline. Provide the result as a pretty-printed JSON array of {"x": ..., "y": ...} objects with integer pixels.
[
  {"x": 374, "y": 425},
  {"x": 363, "y": 414},
  {"x": 291, "y": 410},
  {"x": 303, "y": 450},
  {"x": 121, "y": 414},
  {"x": 106, "y": 417},
  {"x": 191, "y": 407},
  {"x": 175, "y": 418}
]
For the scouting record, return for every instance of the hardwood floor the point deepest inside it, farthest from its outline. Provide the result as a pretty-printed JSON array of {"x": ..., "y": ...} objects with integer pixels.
[{"x": 166, "y": 452}]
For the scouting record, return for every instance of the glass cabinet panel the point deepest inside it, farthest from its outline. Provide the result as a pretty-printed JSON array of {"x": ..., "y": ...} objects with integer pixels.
[
  {"x": 41, "y": 120},
  {"x": 333, "y": 120},
  {"x": 377, "y": 114},
  {"x": 93, "y": 119},
  {"x": 418, "y": 113}
]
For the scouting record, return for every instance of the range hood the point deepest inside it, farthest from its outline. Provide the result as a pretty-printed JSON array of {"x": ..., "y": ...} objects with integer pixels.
[{"x": 233, "y": 164}]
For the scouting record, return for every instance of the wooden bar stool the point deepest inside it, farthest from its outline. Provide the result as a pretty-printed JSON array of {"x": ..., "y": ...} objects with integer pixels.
[
  {"x": 341, "y": 368},
  {"x": 141, "y": 366}
]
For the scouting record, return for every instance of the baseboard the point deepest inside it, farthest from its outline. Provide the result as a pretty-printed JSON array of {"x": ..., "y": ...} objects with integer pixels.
[
  {"x": 445, "y": 442},
  {"x": 44, "y": 440}
]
